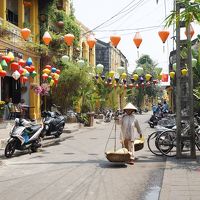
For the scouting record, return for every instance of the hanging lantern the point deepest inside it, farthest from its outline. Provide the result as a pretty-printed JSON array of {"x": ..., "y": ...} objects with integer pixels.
[
  {"x": 23, "y": 79},
  {"x": 47, "y": 38},
  {"x": 11, "y": 55},
  {"x": 163, "y": 36},
  {"x": 99, "y": 68},
  {"x": 29, "y": 61},
  {"x": 65, "y": 59},
  {"x": 124, "y": 81},
  {"x": 184, "y": 72},
  {"x": 27, "y": 68},
  {"x": 44, "y": 76},
  {"x": 6, "y": 58},
  {"x": 135, "y": 77},
  {"x": 52, "y": 82},
  {"x": 155, "y": 81},
  {"x": 24, "y": 72},
  {"x": 32, "y": 68},
  {"x": 22, "y": 62},
  {"x": 124, "y": 75},
  {"x": 117, "y": 79},
  {"x": 103, "y": 77},
  {"x": 33, "y": 74},
  {"x": 142, "y": 85},
  {"x": 120, "y": 70},
  {"x": 130, "y": 85},
  {"x": 141, "y": 79},
  {"x": 27, "y": 4},
  {"x": 69, "y": 38},
  {"x": 48, "y": 67},
  {"x": 172, "y": 74},
  {"x": 14, "y": 66},
  {"x": 27, "y": 74},
  {"x": 139, "y": 71},
  {"x": 174, "y": 66},
  {"x": 46, "y": 71},
  {"x": 81, "y": 63},
  {"x": 137, "y": 86},
  {"x": 148, "y": 76},
  {"x": 3, "y": 73},
  {"x": 97, "y": 76},
  {"x": 58, "y": 71},
  {"x": 164, "y": 77},
  {"x": 191, "y": 32},
  {"x": 137, "y": 40},
  {"x": 53, "y": 69},
  {"x": 111, "y": 74},
  {"x": 91, "y": 41},
  {"x": 1, "y": 68},
  {"x": 109, "y": 79},
  {"x": 55, "y": 82},
  {"x": 115, "y": 39},
  {"x": 159, "y": 76},
  {"x": 148, "y": 84},
  {"x": 194, "y": 62},
  {"x": 25, "y": 32},
  {"x": 49, "y": 79},
  {"x": 21, "y": 70},
  {"x": 4, "y": 64},
  {"x": 56, "y": 76},
  {"x": 16, "y": 75}
]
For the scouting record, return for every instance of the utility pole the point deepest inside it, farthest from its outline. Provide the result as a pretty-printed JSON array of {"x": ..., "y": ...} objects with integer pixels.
[{"x": 184, "y": 90}]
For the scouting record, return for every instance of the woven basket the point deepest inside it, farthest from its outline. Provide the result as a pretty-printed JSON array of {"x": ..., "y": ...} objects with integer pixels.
[
  {"x": 116, "y": 157},
  {"x": 139, "y": 146}
]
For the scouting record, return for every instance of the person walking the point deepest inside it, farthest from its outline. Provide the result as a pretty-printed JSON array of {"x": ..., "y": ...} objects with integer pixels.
[{"x": 129, "y": 125}]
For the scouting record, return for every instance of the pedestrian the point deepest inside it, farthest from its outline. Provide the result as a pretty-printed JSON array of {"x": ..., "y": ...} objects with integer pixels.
[{"x": 129, "y": 124}]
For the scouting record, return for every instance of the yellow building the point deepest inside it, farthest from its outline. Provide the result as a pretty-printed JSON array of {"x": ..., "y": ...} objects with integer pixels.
[{"x": 15, "y": 15}]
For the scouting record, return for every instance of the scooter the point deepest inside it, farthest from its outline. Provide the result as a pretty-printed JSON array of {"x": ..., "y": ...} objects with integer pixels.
[
  {"x": 153, "y": 121},
  {"x": 23, "y": 136},
  {"x": 54, "y": 123},
  {"x": 108, "y": 116}
]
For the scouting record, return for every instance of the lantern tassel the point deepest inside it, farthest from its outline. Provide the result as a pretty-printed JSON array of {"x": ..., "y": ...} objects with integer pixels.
[{"x": 163, "y": 48}]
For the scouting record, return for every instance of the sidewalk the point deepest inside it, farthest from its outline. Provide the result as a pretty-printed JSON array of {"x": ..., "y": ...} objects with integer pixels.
[{"x": 181, "y": 180}]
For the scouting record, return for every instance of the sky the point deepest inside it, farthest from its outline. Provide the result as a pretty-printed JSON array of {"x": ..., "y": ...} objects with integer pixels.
[{"x": 139, "y": 15}]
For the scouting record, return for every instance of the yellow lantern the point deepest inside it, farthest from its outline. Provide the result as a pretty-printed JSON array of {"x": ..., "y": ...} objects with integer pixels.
[
  {"x": 56, "y": 76},
  {"x": 160, "y": 76},
  {"x": 124, "y": 75},
  {"x": 135, "y": 77},
  {"x": 111, "y": 74},
  {"x": 24, "y": 72},
  {"x": 172, "y": 74},
  {"x": 46, "y": 71},
  {"x": 11, "y": 55},
  {"x": 148, "y": 76},
  {"x": 1, "y": 68},
  {"x": 51, "y": 82},
  {"x": 184, "y": 72}
]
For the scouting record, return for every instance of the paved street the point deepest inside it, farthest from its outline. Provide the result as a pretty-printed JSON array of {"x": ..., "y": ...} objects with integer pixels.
[{"x": 78, "y": 169}]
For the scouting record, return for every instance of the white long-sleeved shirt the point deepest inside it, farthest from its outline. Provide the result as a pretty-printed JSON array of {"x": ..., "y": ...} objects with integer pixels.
[{"x": 128, "y": 125}]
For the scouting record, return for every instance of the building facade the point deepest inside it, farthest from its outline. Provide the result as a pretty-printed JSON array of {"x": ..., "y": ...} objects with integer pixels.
[{"x": 15, "y": 15}]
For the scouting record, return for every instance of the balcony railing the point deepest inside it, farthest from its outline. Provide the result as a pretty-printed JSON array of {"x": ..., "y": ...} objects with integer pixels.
[{"x": 12, "y": 34}]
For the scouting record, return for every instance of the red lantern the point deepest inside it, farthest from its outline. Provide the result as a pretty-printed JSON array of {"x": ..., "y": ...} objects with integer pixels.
[
  {"x": 91, "y": 41},
  {"x": 58, "y": 71},
  {"x": 164, "y": 77},
  {"x": 69, "y": 38},
  {"x": 28, "y": 68},
  {"x": 142, "y": 85},
  {"x": 23, "y": 79},
  {"x": 3, "y": 73},
  {"x": 48, "y": 67},
  {"x": 155, "y": 81},
  {"x": 148, "y": 84},
  {"x": 14, "y": 66},
  {"x": 163, "y": 35},
  {"x": 25, "y": 32},
  {"x": 32, "y": 68},
  {"x": 191, "y": 31},
  {"x": 137, "y": 86},
  {"x": 47, "y": 38},
  {"x": 131, "y": 86},
  {"x": 27, "y": 4},
  {"x": 137, "y": 39},
  {"x": 20, "y": 70},
  {"x": 44, "y": 76},
  {"x": 22, "y": 62},
  {"x": 115, "y": 40},
  {"x": 6, "y": 58},
  {"x": 55, "y": 81}
]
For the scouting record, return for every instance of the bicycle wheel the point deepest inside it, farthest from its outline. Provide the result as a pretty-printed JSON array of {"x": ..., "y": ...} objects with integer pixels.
[
  {"x": 152, "y": 143},
  {"x": 197, "y": 141},
  {"x": 167, "y": 143}
]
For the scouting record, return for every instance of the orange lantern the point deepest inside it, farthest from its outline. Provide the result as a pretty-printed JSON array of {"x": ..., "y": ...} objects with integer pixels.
[
  {"x": 25, "y": 32},
  {"x": 22, "y": 62},
  {"x": 47, "y": 38},
  {"x": 23, "y": 79},
  {"x": 115, "y": 39},
  {"x": 137, "y": 40},
  {"x": 91, "y": 41},
  {"x": 3, "y": 73},
  {"x": 164, "y": 77},
  {"x": 27, "y": 4},
  {"x": 163, "y": 36},
  {"x": 191, "y": 31},
  {"x": 130, "y": 85},
  {"x": 69, "y": 38}
]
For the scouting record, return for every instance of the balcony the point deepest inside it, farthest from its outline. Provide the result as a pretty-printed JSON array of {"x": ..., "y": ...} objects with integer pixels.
[{"x": 11, "y": 34}]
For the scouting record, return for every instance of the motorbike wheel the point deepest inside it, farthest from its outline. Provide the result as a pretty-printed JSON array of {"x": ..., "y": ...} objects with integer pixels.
[
  {"x": 10, "y": 149},
  {"x": 151, "y": 125},
  {"x": 59, "y": 132},
  {"x": 35, "y": 146}
]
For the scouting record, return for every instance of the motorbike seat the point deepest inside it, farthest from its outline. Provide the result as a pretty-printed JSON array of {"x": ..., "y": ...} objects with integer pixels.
[{"x": 34, "y": 128}]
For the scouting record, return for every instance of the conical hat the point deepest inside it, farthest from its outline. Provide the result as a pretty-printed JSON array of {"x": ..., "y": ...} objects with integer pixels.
[{"x": 130, "y": 106}]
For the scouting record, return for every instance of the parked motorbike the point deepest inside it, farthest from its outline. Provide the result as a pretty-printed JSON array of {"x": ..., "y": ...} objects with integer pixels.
[
  {"x": 25, "y": 135},
  {"x": 153, "y": 121},
  {"x": 54, "y": 123},
  {"x": 108, "y": 116}
]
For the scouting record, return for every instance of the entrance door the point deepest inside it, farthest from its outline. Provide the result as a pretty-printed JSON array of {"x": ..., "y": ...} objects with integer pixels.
[{"x": 10, "y": 89}]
